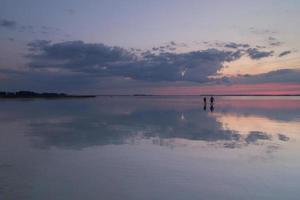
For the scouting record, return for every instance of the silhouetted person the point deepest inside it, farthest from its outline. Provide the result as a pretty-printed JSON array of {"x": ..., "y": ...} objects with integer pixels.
[
  {"x": 212, "y": 108},
  {"x": 204, "y": 107},
  {"x": 204, "y": 100},
  {"x": 212, "y": 100}
]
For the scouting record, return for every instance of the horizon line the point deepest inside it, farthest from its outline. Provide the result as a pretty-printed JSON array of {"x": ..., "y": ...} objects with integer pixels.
[{"x": 141, "y": 95}]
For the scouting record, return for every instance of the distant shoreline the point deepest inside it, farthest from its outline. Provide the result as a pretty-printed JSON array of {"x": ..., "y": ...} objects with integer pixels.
[{"x": 33, "y": 95}]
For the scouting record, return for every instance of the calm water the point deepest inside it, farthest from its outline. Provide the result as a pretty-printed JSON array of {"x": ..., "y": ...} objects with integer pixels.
[{"x": 150, "y": 148}]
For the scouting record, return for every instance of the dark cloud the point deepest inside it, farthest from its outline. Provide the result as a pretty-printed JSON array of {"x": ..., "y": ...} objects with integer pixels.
[
  {"x": 106, "y": 61},
  {"x": 283, "y": 137},
  {"x": 13, "y": 25},
  {"x": 257, "y": 54},
  {"x": 284, "y": 53},
  {"x": 173, "y": 43},
  {"x": 273, "y": 41},
  {"x": 279, "y": 76},
  {"x": 38, "y": 45},
  {"x": 254, "y": 136},
  {"x": 172, "y": 46},
  {"x": 234, "y": 45},
  {"x": 254, "y": 53},
  {"x": 9, "y": 24},
  {"x": 78, "y": 52}
]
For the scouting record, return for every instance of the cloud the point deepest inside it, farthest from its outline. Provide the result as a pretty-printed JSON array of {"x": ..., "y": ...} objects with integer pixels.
[
  {"x": 273, "y": 41},
  {"x": 25, "y": 28},
  {"x": 259, "y": 31},
  {"x": 284, "y": 53},
  {"x": 9, "y": 24},
  {"x": 283, "y": 137},
  {"x": 244, "y": 49},
  {"x": 254, "y": 136},
  {"x": 169, "y": 47},
  {"x": 173, "y": 43},
  {"x": 234, "y": 45},
  {"x": 78, "y": 53},
  {"x": 38, "y": 45},
  {"x": 257, "y": 54},
  {"x": 107, "y": 61},
  {"x": 279, "y": 76}
]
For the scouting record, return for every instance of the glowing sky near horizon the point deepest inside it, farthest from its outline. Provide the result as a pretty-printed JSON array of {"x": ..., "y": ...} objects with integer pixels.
[
  {"x": 171, "y": 43},
  {"x": 253, "y": 89}
]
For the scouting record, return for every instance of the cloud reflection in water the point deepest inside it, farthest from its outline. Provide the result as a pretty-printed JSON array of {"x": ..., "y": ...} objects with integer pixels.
[{"x": 172, "y": 122}]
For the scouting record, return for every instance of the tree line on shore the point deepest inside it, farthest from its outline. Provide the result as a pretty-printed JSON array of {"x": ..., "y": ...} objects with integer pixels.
[{"x": 30, "y": 94}]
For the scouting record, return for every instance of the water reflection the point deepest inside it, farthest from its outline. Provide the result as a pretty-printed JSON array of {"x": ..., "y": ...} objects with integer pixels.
[
  {"x": 211, "y": 108},
  {"x": 107, "y": 121},
  {"x": 168, "y": 148}
]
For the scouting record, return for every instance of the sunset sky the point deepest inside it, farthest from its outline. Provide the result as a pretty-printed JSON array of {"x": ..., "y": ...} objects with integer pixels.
[{"x": 151, "y": 47}]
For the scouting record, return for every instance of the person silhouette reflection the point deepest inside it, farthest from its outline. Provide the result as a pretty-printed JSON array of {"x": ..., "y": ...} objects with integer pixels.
[
  {"x": 211, "y": 108},
  {"x": 204, "y": 107}
]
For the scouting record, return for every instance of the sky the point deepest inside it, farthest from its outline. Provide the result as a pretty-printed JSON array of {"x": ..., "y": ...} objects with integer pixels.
[{"x": 151, "y": 47}]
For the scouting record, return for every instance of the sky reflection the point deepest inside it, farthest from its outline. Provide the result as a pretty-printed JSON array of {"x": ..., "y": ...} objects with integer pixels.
[
  {"x": 124, "y": 120},
  {"x": 149, "y": 144}
]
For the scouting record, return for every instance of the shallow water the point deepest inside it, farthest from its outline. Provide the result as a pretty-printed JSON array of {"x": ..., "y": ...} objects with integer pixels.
[{"x": 150, "y": 148}]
